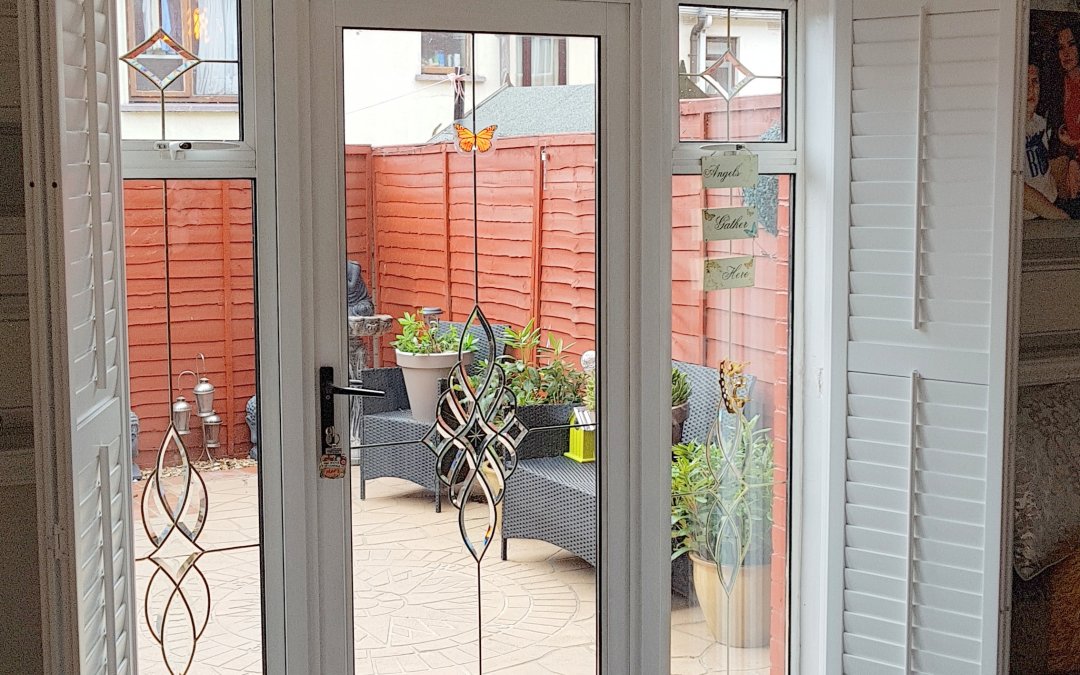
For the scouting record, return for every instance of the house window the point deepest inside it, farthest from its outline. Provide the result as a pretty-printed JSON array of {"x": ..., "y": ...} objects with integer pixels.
[
  {"x": 207, "y": 29},
  {"x": 715, "y": 46},
  {"x": 441, "y": 53},
  {"x": 181, "y": 59},
  {"x": 541, "y": 61}
]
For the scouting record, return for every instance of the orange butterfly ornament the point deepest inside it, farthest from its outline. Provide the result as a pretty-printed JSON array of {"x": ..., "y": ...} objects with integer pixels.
[{"x": 482, "y": 141}]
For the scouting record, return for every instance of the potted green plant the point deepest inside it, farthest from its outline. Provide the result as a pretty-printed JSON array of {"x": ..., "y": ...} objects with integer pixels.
[
  {"x": 721, "y": 518},
  {"x": 545, "y": 385},
  {"x": 426, "y": 355},
  {"x": 680, "y": 403}
]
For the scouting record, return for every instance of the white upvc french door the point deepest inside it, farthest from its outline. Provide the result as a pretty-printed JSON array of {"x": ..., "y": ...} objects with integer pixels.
[{"x": 310, "y": 138}]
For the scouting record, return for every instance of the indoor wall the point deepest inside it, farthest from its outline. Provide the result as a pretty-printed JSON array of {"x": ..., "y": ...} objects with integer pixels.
[{"x": 20, "y": 601}]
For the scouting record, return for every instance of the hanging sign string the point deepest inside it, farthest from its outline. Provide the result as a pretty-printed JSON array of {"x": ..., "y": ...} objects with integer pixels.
[{"x": 729, "y": 167}]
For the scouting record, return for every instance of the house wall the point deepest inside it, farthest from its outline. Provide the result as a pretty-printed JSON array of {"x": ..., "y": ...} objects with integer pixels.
[
  {"x": 20, "y": 602},
  {"x": 759, "y": 47},
  {"x": 391, "y": 103},
  {"x": 388, "y": 101}
]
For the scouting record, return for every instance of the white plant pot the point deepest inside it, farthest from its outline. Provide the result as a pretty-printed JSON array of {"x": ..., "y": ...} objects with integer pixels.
[
  {"x": 422, "y": 373},
  {"x": 738, "y": 619}
]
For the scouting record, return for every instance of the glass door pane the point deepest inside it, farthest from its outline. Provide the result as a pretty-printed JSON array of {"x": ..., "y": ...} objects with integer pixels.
[
  {"x": 189, "y": 264},
  {"x": 471, "y": 259},
  {"x": 730, "y": 346}
]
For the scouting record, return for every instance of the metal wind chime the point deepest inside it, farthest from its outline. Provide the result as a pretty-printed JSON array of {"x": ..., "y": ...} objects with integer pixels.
[{"x": 203, "y": 391}]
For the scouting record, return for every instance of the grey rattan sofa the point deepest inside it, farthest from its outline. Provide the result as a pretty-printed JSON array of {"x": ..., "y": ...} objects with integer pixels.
[
  {"x": 389, "y": 421},
  {"x": 553, "y": 498}
]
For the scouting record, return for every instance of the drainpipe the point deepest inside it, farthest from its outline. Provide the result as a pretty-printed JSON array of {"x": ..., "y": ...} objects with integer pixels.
[
  {"x": 704, "y": 20},
  {"x": 459, "y": 95}
]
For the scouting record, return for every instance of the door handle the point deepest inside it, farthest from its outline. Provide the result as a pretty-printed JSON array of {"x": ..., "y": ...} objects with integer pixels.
[
  {"x": 330, "y": 389},
  {"x": 329, "y": 438}
]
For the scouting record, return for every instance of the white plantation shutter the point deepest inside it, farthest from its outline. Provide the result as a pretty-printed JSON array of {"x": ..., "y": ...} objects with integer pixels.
[
  {"x": 80, "y": 219},
  {"x": 922, "y": 512}
]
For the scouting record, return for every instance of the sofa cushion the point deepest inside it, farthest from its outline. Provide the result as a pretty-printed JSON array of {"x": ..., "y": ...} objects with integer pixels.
[{"x": 1047, "y": 488}]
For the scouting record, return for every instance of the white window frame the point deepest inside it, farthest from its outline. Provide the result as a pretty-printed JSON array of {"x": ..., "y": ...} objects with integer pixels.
[
  {"x": 731, "y": 44},
  {"x": 145, "y": 158},
  {"x": 780, "y": 159},
  {"x": 142, "y": 159},
  {"x": 774, "y": 158}
]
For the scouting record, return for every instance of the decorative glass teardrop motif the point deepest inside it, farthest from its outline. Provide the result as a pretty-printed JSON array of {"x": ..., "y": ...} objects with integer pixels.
[{"x": 475, "y": 438}]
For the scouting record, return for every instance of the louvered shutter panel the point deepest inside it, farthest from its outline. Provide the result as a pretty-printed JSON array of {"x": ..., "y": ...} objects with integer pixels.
[
  {"x": 920, "y": 334},
  {"x": 85, "y": 211}
]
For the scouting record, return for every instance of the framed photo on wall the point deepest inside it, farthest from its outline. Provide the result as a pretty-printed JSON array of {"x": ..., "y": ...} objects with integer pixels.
[{"x": 1052, "y": 113}]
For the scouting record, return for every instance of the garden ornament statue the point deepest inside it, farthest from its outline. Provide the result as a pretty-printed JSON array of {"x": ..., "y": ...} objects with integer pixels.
[{"x": 357, "y": 297}]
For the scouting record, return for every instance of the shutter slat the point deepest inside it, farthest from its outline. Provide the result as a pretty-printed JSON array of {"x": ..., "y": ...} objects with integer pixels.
[
  {"x": 885, "y": 331},
  {"x": 949, "y": 347},
  {"x": 873, "y": 655}
]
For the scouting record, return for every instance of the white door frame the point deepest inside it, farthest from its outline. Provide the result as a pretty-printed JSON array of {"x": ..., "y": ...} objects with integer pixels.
[
  {"x": 253, "y": 158},
  {"x": 318, "y": 569}
]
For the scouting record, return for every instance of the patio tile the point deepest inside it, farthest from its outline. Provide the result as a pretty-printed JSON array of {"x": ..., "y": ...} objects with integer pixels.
[{"x": 415, "y": 595}]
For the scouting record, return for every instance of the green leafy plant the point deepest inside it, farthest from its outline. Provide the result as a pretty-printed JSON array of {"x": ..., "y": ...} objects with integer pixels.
[
  {"x": 417, "y": 337},
  {"x": 588, "y": 397},
  {"x": 680, "y": 388},
  {"x": 539, "y": 373},
  {"x": 727, "y": 520}
]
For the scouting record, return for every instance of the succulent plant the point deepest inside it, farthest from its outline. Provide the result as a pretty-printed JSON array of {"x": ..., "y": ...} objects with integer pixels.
[{"x": 680, "y": 388}]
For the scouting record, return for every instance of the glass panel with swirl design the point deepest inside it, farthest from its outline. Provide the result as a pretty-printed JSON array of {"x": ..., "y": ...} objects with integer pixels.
[
  {"x": 730, "y": 431},
  {"x": 470, "y": 262},
  {"x": 191, "y": 329}
]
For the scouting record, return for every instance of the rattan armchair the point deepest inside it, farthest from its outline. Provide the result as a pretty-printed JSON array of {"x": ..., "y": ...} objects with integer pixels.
[
  {"x": 553, "y": 498},
  {"x": 389, "y": 445}
]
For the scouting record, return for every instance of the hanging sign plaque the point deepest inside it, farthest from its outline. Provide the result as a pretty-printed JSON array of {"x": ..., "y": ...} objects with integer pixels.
[
  {"x": 729, "y": 171},
  {"x": 738, "y": 222},
  {"x": 333, "y": 466},
  {"x": 724, "y": 273}
]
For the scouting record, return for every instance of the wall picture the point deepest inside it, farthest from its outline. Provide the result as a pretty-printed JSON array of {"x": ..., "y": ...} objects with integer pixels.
[{"x": 1052, "y": 117}]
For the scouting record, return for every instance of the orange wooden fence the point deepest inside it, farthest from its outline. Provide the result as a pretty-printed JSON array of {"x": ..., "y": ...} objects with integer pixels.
[
  {"x": 212, "y": 303},
  {"x": 535, "y": 202},
  {"x": 409, "y": 218},
  {"x": 749, "y": 117}
]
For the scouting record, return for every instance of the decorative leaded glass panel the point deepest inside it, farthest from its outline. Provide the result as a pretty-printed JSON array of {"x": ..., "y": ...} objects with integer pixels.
[{"x": 732, "y": 66}]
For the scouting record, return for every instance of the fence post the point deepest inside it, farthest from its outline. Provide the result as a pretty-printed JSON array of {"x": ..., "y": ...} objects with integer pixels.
[
  {"x": 227, "y": 301},
  {"x": 449, "y": 295},
  {"x": 539, "y": 151}
]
